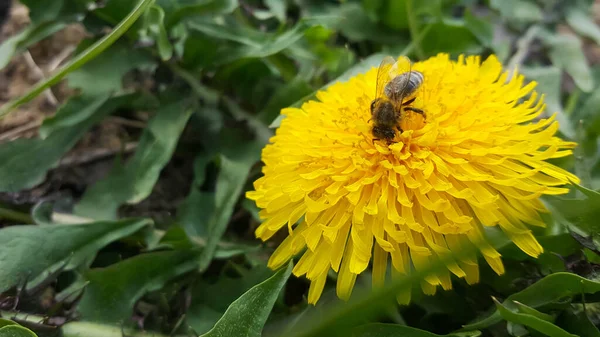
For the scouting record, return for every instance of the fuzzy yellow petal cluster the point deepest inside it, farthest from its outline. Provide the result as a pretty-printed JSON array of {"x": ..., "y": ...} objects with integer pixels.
[{"x": 477, "y": 159}]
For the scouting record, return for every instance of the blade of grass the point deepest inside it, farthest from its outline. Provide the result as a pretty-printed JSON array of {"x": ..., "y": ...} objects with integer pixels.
[
  {"x": 80, "y": 59},
  {"x": 413, "y": 27}
]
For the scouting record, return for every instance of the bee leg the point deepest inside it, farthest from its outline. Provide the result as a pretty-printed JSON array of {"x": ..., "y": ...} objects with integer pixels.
[
  {"x": 399, "y": 129},
  {"x": 419, "y": 111},
  {"x": 409, "y": 101}
]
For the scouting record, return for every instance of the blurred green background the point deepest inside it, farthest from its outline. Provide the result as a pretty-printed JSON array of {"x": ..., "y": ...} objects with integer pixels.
[{"x": 131, "y": 129}]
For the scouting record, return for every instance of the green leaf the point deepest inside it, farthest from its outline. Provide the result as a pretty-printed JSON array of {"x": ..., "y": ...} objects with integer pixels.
[
  {"x": 284, "y": 97},
  {"x": 155, "y": 24},
  {"x": 362, "y": 67},
  {"x": 521, "y": 11},
  {"x": 545, "y": 327},
  {"x": 583, "y": 23},
  {"x": 566, "y": 52},
  {"x": 395, "y": 14},
  {"x": 195, "y": 212},
  {"x": 77, "y": 110},
  {"x": 113, "y": 291},
  {"x": 134, "y": 181},
  {"x": 247, "y": 315},
  {"x": 590, "y": 111},
  {"x": 247, "y": 44},
  {"x": 395, "y": 330},
  {"x": 550, "y": 289},
  {"x": 79, "y": 60},
  {"x": 580, "y": 215},
  {"x": 60, "y": 10},
  {"x": 180, "y": 10},
  {"x": 482, "y": 29},
  {"x": 578, "y": 323},
  {"x": 352, "y": 22},
  {"x": 16, "y": 331},
  {"x": 103, "y": 74},
  {"x": 27, "y": 252},
  {"x": 26, "y": 161},
  {"x": 278, "y": 8},
  {"x": 30, "y": 35},
  {"x": 211, "y": 300},
  {"x": 548, "y": 83},
  {"x": 450, "y": 36},
  {"x": 6, "y": 322},
  {"x": 235, "y": 163},
  {"x": 524, "y": 309}
]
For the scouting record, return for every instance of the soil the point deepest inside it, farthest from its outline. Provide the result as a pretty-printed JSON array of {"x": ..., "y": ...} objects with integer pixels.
[{"x": 94, "y": 155}]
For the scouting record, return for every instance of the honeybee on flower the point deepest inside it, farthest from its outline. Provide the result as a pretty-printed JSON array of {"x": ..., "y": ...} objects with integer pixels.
[{"x": 477, "y": 160}]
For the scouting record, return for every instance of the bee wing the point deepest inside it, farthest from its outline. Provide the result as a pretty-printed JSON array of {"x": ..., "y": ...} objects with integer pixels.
[
  {"x": 402, "y": 66},
  {"x": 383, "y": 75}
]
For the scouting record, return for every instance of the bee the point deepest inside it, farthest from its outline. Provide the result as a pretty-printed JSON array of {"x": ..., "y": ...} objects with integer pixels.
[{"x": 393, "y": 87}]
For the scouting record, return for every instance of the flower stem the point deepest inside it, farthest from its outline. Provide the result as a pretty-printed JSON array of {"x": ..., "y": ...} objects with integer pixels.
[{"x": 16, "y": 216}]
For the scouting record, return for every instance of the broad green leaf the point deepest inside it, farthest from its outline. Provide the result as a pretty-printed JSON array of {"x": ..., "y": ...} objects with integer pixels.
[
  {"x": 103, "y": 74},
  {"x": 248, "y": 44},
  {"x": 155, "y": 22},
  {"x": 180, "y": 10},
  {"x": 533, "y": 322},
  {"x": 524, "y": 309},
  {"x": 583, "y": 23},
  {"x": 6, "y": 322},
  {"x": 278, "y": 8},
  {"x": 211, "y": 300},
  {"x": 560, "y": 244},
  {"x": 566, "y": 52},
  {"x": 196, "y": 210},
  {"x": 395, "y": 330},
  {"x": 521, "y": 11},
  {"x": 27, "y": 252},
  {"x": 590, "y": 112},
  {"x": 75, "y": 111},
  {"x": 79, "y": 60},
  {"x": 362, "y": 67},
  {"x": 16, "y": 331},
  {"x": 234, "y": 165},
  {"x": 577, "y": 323},
  {"x": 284, "y": 97},
  {"x": 113, "y": 291},
  {"x": 450, "y": 36},
  {"x": 482, "y": 29},
  {"x": 134, "y": 181},
  {"x": 580, "y": 214},
  {"x": 395, "y": 14},
  {"x": 247, "y": 315},
  {"x": 550, "y": 289},
  {"x": 26, "y": 161},
  {"x": 352, "y": 22},
  {"x": 59, "y": 10},
  {"x": 548, "y": 83},
  {"x": 30, "y": 35}
]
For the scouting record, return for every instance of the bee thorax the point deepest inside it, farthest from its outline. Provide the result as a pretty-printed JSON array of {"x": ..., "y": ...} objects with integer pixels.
[{"x": 384, "y": 113}]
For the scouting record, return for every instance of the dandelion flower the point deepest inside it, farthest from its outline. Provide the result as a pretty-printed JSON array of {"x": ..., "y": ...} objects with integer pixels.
[{"x": 476, "y": 160}]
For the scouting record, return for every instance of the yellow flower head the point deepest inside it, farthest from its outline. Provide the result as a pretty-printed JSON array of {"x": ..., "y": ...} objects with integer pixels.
[{"x": 476, "y": 159}]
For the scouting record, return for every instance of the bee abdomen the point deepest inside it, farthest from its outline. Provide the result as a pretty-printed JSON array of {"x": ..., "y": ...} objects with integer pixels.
[{"x": 403, "y": 85}]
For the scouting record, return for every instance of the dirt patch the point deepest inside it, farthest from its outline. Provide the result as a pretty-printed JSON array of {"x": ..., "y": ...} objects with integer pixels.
[{"x": 25, "y": 70}]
